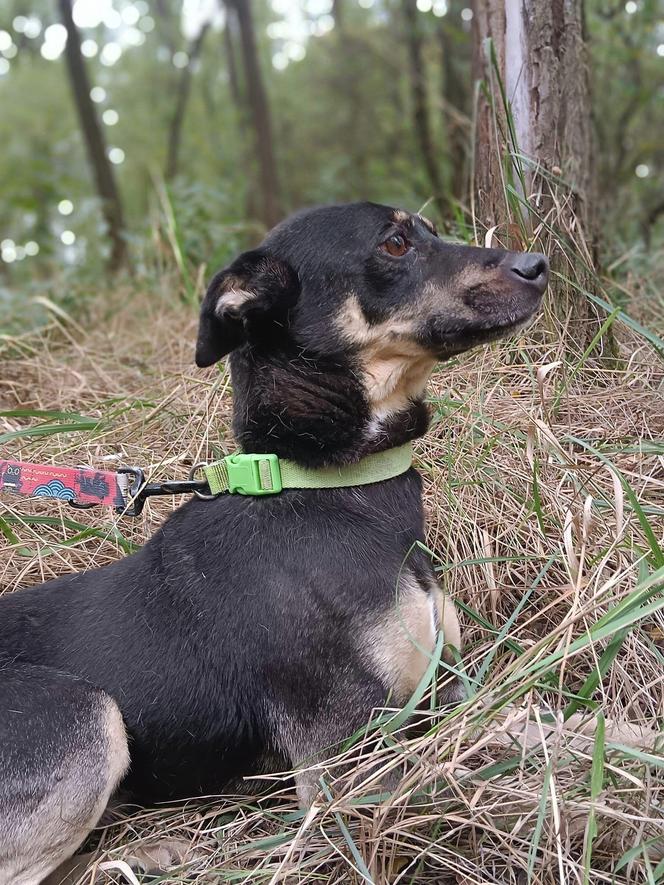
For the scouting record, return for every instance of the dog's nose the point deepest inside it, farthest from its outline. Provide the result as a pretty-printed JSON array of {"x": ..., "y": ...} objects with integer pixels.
[{"x": 531, "y": 266}]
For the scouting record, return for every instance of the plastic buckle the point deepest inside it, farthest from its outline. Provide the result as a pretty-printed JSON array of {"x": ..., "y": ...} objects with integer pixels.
[{"x": 244, "y": 474}]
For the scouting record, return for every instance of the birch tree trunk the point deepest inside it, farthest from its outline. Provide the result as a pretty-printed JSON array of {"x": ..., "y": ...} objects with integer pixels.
[
  {"x": 543, "y": 147},
  {"x": 541, "y": 58}
]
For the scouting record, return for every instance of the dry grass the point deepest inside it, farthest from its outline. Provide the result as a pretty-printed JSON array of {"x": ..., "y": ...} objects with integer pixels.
[{"x": 544, "y": 479}]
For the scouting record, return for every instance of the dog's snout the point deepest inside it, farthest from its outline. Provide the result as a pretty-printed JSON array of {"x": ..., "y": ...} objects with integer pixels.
[{"x": 530, "y": 266}]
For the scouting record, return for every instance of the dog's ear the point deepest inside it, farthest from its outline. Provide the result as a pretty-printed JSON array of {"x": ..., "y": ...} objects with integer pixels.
[{"x": 255, "y": 289}]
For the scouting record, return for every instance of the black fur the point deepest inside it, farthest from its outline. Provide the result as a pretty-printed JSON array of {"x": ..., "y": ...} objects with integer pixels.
[{"x": 242, "y": 618}]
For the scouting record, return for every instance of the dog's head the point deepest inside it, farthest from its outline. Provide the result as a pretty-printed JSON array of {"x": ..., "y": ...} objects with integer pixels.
[
  {"x": 372, "y": 288},
  {"x": 345, "y": 278}
]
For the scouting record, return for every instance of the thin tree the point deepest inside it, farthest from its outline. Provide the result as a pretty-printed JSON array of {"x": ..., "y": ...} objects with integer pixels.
[
  {"x": 242, "y": 115},
  {"x": 95, "y": 143},
  {"x": 259, "y": 111},
  {"x": 455, "y": 100},
  {"x": 338, "y": 14},
  {"x": 181, "y": 101},
  {"x": 230, "y": 27},
  {"x": 421, "y": 118}
]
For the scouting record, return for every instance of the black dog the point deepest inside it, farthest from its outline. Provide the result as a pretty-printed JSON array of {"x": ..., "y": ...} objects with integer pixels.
[{"x": 253, "y": 634}]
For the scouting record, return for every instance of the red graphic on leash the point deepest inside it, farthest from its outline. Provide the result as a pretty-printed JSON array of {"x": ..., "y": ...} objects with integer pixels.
[{"x": 78, "y": 485}]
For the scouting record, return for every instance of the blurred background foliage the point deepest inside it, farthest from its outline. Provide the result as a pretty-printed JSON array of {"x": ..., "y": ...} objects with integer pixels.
[{"x": 347, "y": 122}]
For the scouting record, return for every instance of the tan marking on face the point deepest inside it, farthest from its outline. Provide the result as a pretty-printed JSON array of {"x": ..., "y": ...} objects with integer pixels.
[
  {"x": 428, "y": 224},
  {"x": 395, "y": 368},
  {"x": 399, "y": 216},
  {"x": 474, "y": 275}
]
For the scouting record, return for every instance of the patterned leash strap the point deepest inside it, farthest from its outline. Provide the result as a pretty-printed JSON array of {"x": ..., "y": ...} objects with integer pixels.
[
  {"x": 125, "y": 490},
  {"x": 81, "y": 486}
]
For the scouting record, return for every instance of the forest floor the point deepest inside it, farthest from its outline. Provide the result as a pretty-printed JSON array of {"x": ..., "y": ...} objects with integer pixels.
[{"x": 545, "y": 492}]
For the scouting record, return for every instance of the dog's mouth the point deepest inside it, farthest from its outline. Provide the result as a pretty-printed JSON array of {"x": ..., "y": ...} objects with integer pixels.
[{"x": 482, "y": 318}]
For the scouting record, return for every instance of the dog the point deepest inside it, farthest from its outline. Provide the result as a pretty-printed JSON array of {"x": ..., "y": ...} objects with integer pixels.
[{"x": 253, "y": 634}]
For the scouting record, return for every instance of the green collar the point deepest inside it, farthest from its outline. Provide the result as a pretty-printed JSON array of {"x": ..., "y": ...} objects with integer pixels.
[{"x": 254, "y": 474}]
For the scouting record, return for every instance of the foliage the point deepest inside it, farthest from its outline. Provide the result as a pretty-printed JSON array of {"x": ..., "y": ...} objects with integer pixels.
[{"x": 342, "y": 120}]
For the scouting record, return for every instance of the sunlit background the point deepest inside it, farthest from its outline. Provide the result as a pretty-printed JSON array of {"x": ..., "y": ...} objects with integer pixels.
[{"x": 339, "y": 97}]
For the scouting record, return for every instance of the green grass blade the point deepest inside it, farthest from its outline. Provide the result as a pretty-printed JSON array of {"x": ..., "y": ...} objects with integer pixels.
[
  {"x": 590, "y": 685},
  {"x": 8, "y": 533},
  {"x": 599, "y": 335},
  {"x": 83, "y": 425},
  {"x": 43, "y": 413},
  {"x": 500, "y": 638},
  {"x": 638, "y": 755},
  {"x": 539, "y": 823},
  {"x": 658, "y": 554},
  {"x": 655, "y": 340},
  {"x": 348, "y": 839},
  {"x": 634, "y": 852},
  {"x": 395, "y": 722},
  {"x": 596, "y": 785}
]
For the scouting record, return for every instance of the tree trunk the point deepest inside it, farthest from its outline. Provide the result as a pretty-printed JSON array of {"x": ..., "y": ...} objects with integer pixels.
[
  {"x": 421, "y": 119},
  {"x": 338, "y": 14},
  {"x": 541, "y": 60},
  {"x": 168, "y": 23},
  {"x": 94, "y": 140},
  {"x": 231, "y": 30},
  {"x": 183, "y": 91},
  {"x": 541, "y": 64},
  {"x": 456, "y": 112},
  {"x": 260, "y": 113},
  {"x": 231, "y": 64}
]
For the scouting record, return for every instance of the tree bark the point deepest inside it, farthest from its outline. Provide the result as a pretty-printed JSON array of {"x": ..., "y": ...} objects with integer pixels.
[
  {"x": 541, "y": 64},
  {"x": 231, "y": 64},
  {"x": 168, "y": 22},
  {"x": 260, "y": 114},
  {"x": 541, "y": 59},
  {"x": 183, "y": 92},
  {"x": 93, "y": 136},
  {"x": 421, "y": 118},
  {"x": 231, "y": 31},
  {"x": 338, "y": 14},
  {"x": 456, "y": 110}
]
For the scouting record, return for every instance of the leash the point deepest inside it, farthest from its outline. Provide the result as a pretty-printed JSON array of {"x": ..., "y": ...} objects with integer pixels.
[{"x": 126, "y": 490}]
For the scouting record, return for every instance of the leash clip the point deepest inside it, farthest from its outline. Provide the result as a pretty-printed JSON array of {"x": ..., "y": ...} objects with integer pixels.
[
  {"x": 139, "y": 490},
  {"x": 133, "y": 492}
]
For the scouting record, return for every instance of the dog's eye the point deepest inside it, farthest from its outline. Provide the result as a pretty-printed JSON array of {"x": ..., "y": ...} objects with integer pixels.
[{"x": 396, "y": 245}]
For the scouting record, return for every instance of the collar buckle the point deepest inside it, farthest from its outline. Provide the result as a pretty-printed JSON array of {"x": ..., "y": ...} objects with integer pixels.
[{"x": 253, "y": 474}]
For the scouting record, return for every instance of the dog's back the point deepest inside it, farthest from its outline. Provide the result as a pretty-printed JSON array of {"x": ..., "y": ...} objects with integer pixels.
[{"x": 238, "y": 622}]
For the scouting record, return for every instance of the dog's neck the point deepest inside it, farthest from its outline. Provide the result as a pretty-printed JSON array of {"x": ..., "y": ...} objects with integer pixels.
[{"x": 319, "y": 411}]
